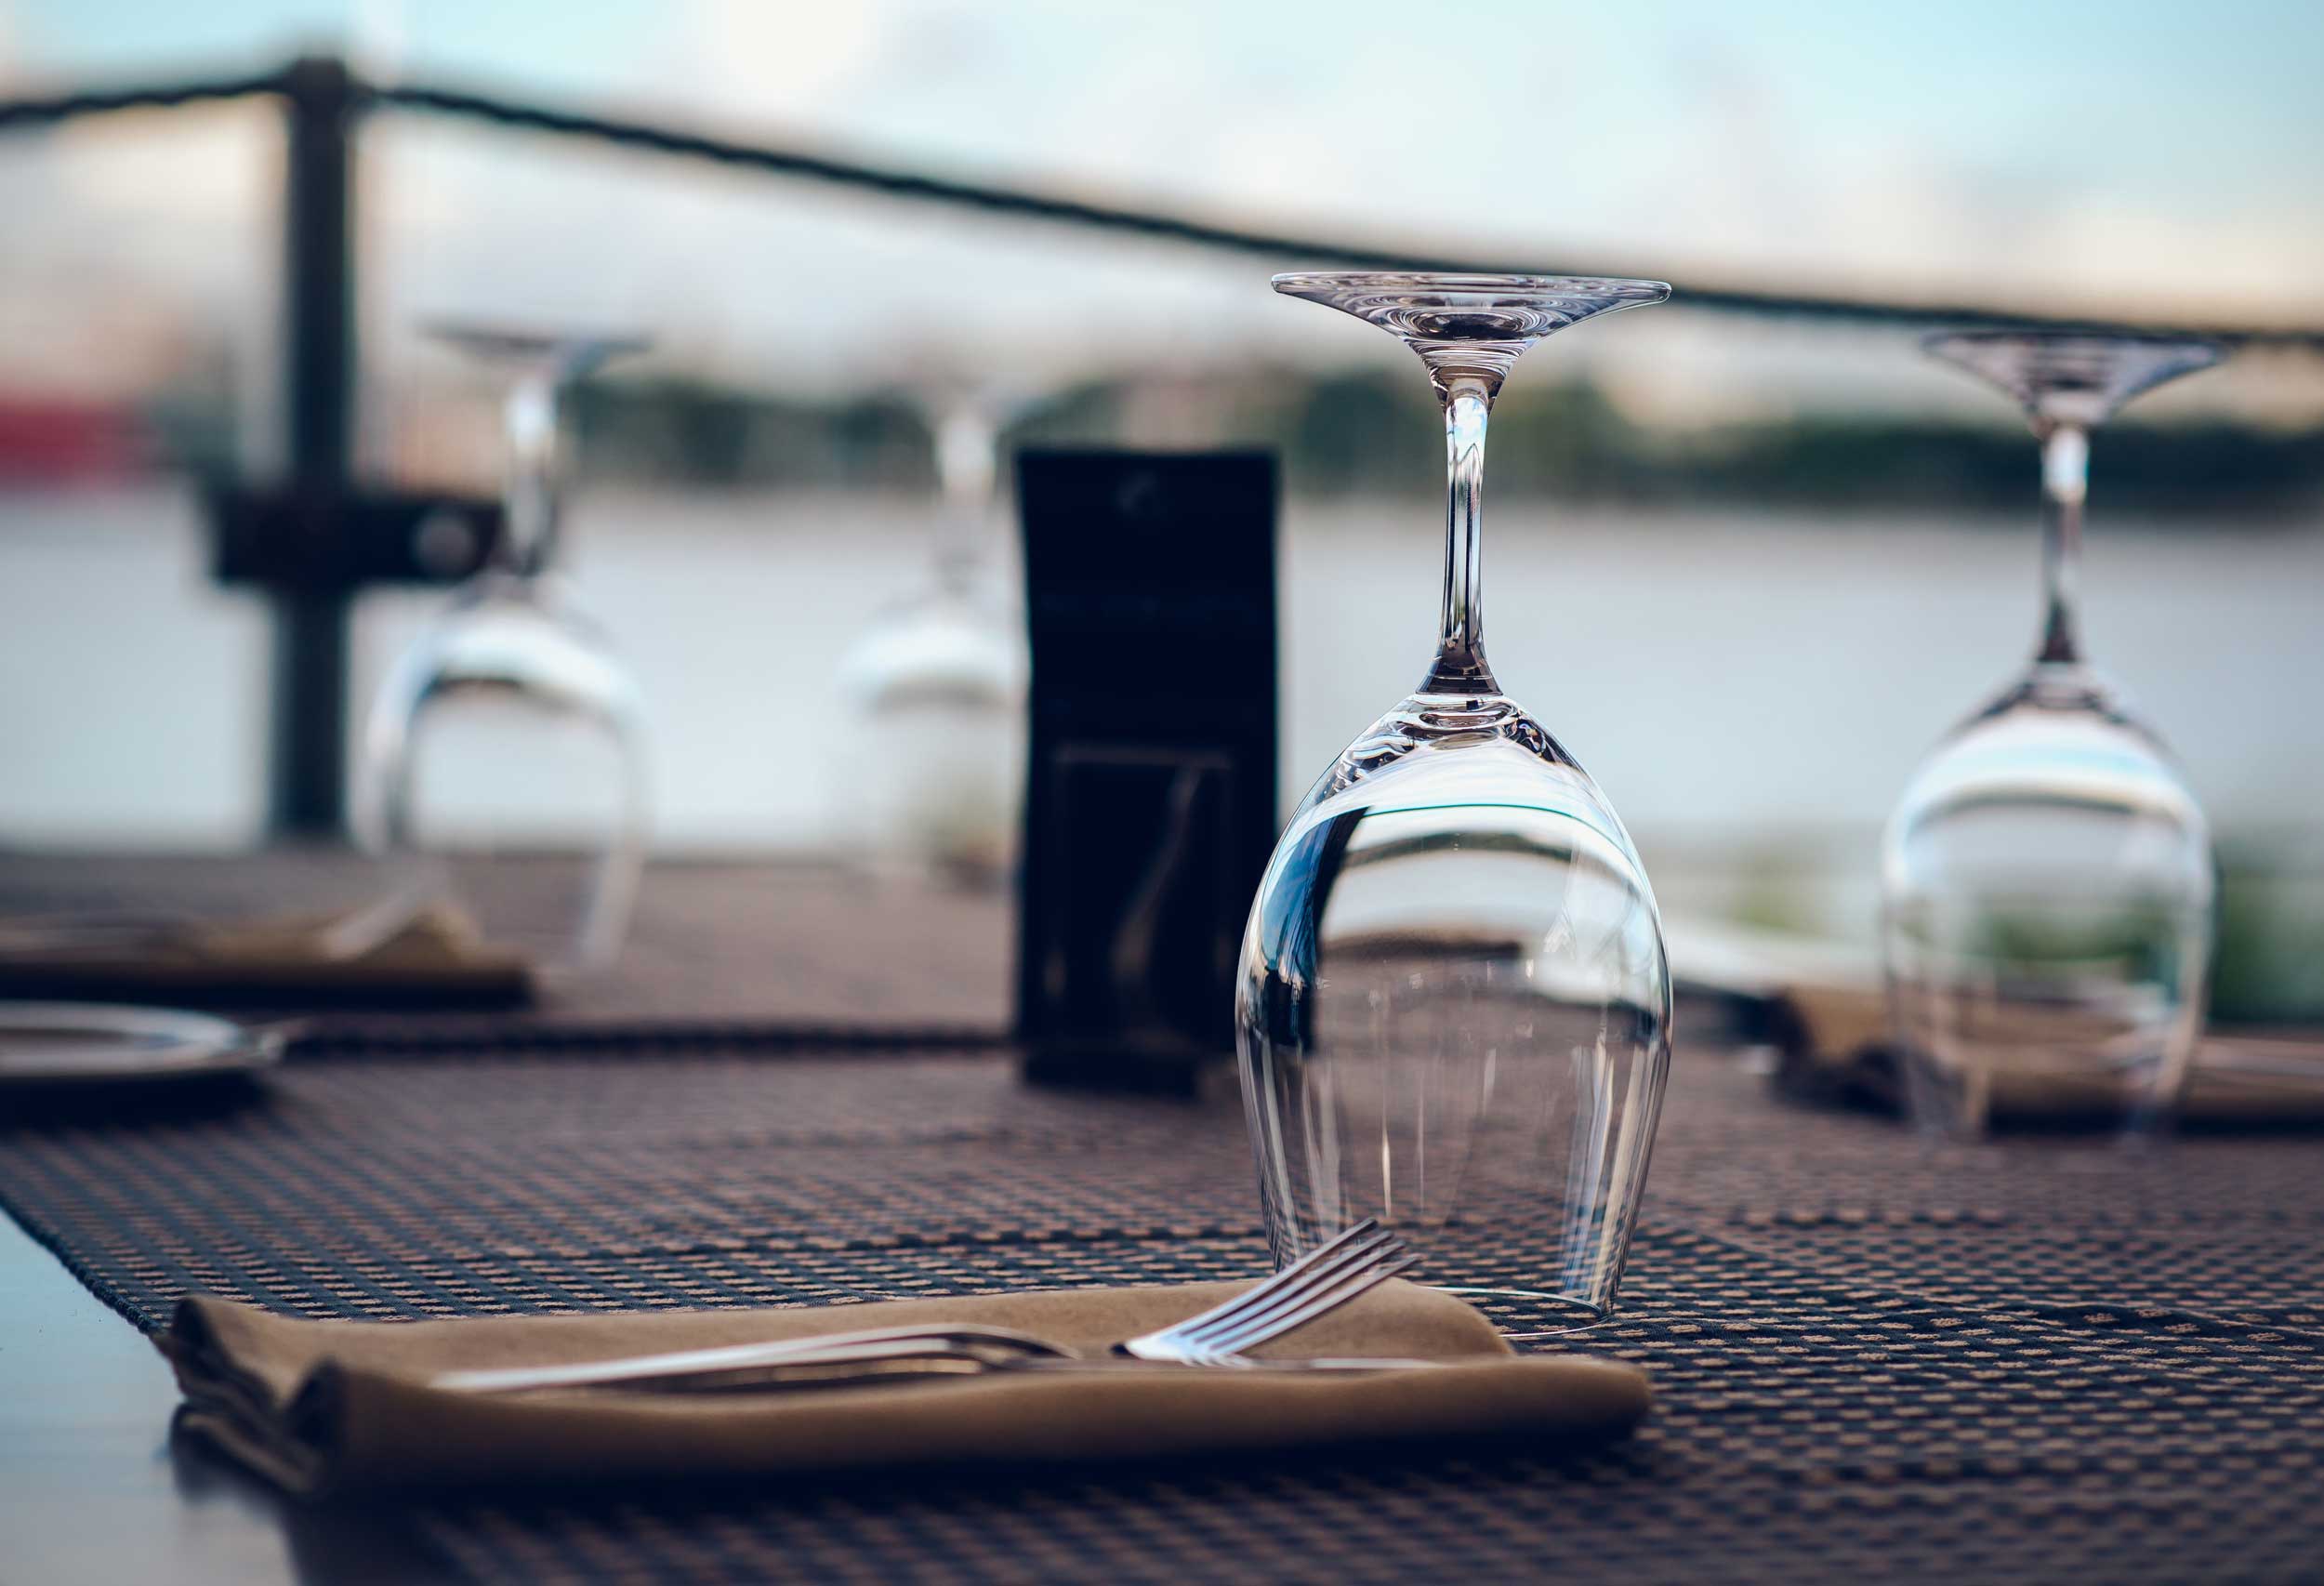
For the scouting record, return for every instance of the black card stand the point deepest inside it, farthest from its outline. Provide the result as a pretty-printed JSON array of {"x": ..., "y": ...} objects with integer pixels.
[{"x": 1150, "y": 800}]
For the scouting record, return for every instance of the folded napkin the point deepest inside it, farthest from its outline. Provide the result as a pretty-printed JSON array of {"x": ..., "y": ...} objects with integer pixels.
[
  {"x": 1834, "y": 1039},
  {"x": 433, "y": 951},
  {"x": 332, "y": 1405}
]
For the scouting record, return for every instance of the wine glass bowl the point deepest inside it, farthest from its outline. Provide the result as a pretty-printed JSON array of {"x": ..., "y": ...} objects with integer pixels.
[
  {"x": 504, "y": 766},
  {"x": 1453, "y": 1004},
  {"x": 507, "y": 773},
  {"x": 932, "y": 777},
  {"x": 2049, "y": 891},
  {"x": 1454, "y": 1013},
  {"x": 2047, "y": 881},
  {"x": 930, "y": 767}
]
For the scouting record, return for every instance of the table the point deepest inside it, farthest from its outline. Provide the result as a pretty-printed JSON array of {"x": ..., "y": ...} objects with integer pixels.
[
  {"x": 93, "y": 1487},
  {"x": 2020, "y": 1360}
]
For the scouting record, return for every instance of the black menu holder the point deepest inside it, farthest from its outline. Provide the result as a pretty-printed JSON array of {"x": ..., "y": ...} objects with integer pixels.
[{"x": 1149, "y": 798}]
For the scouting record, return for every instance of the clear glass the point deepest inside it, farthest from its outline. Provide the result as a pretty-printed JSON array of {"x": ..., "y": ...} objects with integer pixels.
[
  {"x": 1454, "y": 1008},
  {"x": 504, "y": 759},
  {"x": 932, "y": 780},
  {"x": 2047, "y": 881}
]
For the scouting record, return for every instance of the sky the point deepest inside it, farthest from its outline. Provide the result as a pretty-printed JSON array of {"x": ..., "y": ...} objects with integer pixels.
[{"x": 2131, "y": 157}]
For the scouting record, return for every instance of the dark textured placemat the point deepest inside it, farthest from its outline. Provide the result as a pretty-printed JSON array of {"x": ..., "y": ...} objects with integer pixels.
[{"x": 2019, "y": 1361}]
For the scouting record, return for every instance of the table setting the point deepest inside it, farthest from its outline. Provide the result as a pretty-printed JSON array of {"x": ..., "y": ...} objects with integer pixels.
[{"x": 1418, "y": 1200}]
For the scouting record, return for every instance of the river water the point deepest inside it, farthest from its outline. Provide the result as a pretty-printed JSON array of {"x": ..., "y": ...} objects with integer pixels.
[{"x": 1751, "y": 689}]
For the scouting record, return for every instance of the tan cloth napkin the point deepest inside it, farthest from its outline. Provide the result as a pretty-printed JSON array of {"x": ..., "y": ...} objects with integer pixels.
[
  {"x": 330, "y": 1406},
  {"x": 436, "y": 951},
  {"x": 1835, "y": 1038}
]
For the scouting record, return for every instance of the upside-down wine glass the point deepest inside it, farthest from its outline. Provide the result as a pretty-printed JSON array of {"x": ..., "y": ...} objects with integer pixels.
[
  {"x": 2047, "y": 881},
  {"x": 1454, "y": 1008},
  {"x": 503, "y": 759},
  {"x": 932, "y": 779}
]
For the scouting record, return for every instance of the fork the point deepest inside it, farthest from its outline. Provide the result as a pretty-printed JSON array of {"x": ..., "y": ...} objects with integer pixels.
[
  {"x": 1327, "y": 1278},
  {"x": 1335, "y": 1273}
]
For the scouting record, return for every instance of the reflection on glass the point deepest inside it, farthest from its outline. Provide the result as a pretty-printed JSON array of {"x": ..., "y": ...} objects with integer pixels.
[
  {"x": 932, "y": 779},
  {"x": 504, "y": 761},
  {"x": 1454, "y": 1007},
  {"x": 2047, "y": 881}
]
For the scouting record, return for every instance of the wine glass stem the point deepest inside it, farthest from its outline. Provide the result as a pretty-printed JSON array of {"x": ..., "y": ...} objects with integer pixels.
[
  {"x": 968, "y": 467},
  {"x": 1460, "y": 666},
  {"x": 2065, "y": 482},
  {"x": 532, "y": 501}
]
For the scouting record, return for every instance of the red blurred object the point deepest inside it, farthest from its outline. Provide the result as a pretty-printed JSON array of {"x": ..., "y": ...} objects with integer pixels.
[{"x": 46, "y": 441}]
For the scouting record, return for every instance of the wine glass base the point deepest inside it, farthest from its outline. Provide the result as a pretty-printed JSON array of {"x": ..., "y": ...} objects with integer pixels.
[{"x": 1521, "y": 1315}]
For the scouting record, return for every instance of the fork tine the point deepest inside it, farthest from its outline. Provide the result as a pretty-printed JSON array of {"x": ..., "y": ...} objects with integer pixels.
[
  {"x": 1321, "y": 1266},
  {"x": 1347, "y": 1289},
  {"x": 1330, "y": 1253},
  {"x": 1262, "y": 1321},
  {"x": 1382, "y": 1245},
  {"x": 1289, "y": 1292}
]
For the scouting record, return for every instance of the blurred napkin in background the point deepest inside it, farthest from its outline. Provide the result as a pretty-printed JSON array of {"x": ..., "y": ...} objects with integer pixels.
[
  {"x": 1822, "y": 1008},
  {"x": 401, "y": 948}
]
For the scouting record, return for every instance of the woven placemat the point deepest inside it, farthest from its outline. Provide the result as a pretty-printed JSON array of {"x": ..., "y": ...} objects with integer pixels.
[{"x": 2018, "y": 1361}]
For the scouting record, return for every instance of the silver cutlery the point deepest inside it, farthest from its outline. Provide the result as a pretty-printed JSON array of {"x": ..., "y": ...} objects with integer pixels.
[
  {"x": 900, "y": 1361},
  {"x": 1327, "y": 1277}
]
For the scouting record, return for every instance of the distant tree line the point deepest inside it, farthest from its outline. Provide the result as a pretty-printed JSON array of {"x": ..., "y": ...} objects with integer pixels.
[
  {"x": 1371, "y": 433},
  {"x": 1375, "y": 434}
]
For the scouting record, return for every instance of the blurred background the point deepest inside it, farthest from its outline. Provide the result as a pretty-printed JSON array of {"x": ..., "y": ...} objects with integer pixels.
[{"x": 1748, "y": 564}]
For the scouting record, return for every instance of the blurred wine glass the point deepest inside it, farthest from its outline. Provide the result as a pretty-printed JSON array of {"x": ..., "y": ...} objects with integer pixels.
[
  {"x": 504, "y": 759},
  {"x": 2047, "y": 881},
  {"x": 932, "y": 779}
]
